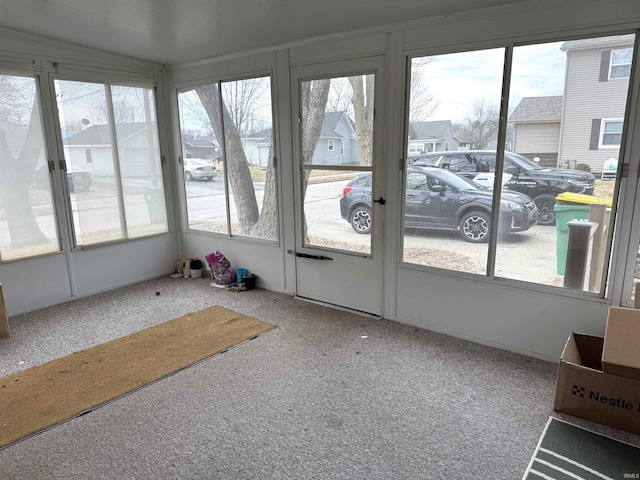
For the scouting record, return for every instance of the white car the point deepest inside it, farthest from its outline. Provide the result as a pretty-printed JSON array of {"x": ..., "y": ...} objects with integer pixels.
[{"x": 197, "y": 168}]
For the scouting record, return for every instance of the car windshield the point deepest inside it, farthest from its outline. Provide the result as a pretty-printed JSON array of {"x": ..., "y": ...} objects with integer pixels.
[
  {"x": 523, "y": 162},
  {"x": 455, "y": 181}
]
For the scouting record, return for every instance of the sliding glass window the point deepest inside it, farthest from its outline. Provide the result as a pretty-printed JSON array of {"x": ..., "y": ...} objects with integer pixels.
[
  {"x": 113, "y": 165},
  {"x": 27, "y": 220},
  {"x": 227, "y": 156},
  {"x": 556, "y": 167}
]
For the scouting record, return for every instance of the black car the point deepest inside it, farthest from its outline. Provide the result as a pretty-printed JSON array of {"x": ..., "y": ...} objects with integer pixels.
[
  {"x": 520, "y": 174},
  {"x": 79, "y": 179},
  {"x": 440, "y": 200}
]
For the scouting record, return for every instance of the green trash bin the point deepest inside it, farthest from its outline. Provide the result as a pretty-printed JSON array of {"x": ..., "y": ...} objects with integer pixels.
[{"x": 564, "y": 214}]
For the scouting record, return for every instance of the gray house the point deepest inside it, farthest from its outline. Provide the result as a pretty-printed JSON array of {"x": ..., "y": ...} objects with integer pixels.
[
  {"x": 597, "y": 81},
  {"x": 200, "y": 148},
  {"x": 431, "y": 137},
  {"x": 536, "y": 128},
  {"x": 336, "y": 145}
]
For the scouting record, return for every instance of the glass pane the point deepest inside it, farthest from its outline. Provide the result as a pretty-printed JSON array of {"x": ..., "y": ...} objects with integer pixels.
[
  {"x": 453, "y": 129},
  {"x": 139, "y": 158},
  {"x": 87, "y": 135},
  {"x": 200, "y": 131},
  {"x": 337, "y": 131},
  {"x": 337, "y": 209},
  {"x": 343, "y": 135},
  {"x": 248, "y": 137},
  {"x": 559, "y": 144},
  {"x": 27, "y": 222}
]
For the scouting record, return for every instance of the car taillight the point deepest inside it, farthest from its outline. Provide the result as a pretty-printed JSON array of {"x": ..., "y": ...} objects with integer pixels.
[
  {"x": 199, "y": 169},
  {"x": 346, "y": 190}
]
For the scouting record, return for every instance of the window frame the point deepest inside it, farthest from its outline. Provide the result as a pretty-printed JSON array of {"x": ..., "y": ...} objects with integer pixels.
[
  {"x": 603, "y": 123},
  {"x": 612, "y": 65},
  {"x": 331, "y": 146}
]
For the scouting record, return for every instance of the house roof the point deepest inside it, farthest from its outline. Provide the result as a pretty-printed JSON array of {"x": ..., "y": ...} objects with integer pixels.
[
  {"x": 538, "y": 109},
  {"x": 600, "y": 42},
  {"x": 429, "y": 130},
  {"x": 198, "y": 142},
  {"x": 331, "y": 122},
  {"x": 101, "y": 134}
]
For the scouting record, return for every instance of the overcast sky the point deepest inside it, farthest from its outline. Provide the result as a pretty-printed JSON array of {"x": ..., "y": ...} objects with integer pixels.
[{"x": 457, "y": 80}]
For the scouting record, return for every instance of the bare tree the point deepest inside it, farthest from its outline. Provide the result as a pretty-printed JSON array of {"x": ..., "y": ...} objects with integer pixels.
[
  {"x": 422, "y": 103},
  {"x": 481, "y": 123},
  {"x": 340, "y": 95},
  {"x": 243, "y": 98}
]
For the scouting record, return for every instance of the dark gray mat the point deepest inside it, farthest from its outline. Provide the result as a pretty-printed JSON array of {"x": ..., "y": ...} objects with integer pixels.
[{"x": 569, "y": 452}]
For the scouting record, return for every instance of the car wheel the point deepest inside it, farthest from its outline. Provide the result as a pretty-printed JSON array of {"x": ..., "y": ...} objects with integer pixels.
[
  {"x": 474, "y": 227},
  {"x": 546, "y": 209},
  {"x": 187, "y": 176},
  {"x": 209, "y": 179},
  {"x": 361, "y": 219}
]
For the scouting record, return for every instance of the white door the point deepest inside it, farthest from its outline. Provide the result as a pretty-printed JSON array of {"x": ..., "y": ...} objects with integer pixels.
[{"x": 339, "y": 198}]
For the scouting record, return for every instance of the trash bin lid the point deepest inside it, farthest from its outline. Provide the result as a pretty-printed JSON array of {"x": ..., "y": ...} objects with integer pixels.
[{"x": 569, "y": 197}]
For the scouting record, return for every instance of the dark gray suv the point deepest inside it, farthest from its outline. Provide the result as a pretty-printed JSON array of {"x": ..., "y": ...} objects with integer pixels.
[{"x": 520, "y": 174}]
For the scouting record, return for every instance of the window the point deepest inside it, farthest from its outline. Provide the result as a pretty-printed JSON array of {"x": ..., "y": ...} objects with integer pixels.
[
  {"x": 620, "y": 65},
  {"x": 27, "y": 221},
  {"x": 611, "y": 133},
  {"x": 237, "y": 194},
  {"x": 533, "y": 229},
  {"x": 341, "y": 148},
  {"x": 330, "y": 145},
  {"x": 119, "y": 194}
]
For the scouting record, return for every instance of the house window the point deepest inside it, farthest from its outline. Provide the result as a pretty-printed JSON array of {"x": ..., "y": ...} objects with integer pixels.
[
  {"x": 341, "y": 147},
  {"x": 611, "y": 133},
  {"x": 88, "y": 156},
  {"x": 331, "y": 145},
  {"x": 413, "y": 148},
  {"x": 620, "y": 65}
]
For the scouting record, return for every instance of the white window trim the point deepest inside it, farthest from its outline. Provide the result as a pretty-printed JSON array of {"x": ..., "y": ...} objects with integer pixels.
[
  {"x": 611, "y": 65},
  {"x": 331, "y": 146},
  {"x": 603, "y": 122}
]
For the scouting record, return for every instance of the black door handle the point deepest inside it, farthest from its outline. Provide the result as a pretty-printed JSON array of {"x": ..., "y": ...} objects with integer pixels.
[{"x": 381, "y": 201}]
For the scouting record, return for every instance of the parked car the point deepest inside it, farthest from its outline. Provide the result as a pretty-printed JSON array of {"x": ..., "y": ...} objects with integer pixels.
[
  {"x": 79, "y": 179},
  {"x": 437, "y": 199},
  {"x": 197, "y": 168},
  {"x": 520, "y": 174}
]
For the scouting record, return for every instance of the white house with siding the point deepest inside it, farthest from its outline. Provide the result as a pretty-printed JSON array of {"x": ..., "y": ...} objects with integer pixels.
[
  {"x": 597, "y": 81},
  {"x": 91, "y": 149}
]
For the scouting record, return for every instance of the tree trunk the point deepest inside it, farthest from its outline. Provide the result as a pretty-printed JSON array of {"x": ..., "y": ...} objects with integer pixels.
[
  {"x": 14, "y": 185},
  {"x": 313, "y": 99},
  {"x": 235, "y": 160},
  {"x": 363, "y": 88}
]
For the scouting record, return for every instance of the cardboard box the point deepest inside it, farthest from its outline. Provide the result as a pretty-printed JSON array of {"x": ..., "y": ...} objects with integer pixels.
[
  {"x": 620, "y": 354},
  {"x": 585, "y": 391},
  {"x": 4, "y": 318}
]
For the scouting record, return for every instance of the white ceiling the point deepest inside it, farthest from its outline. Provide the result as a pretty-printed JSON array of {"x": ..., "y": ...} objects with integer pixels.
[{"x": 180, "y": 31}]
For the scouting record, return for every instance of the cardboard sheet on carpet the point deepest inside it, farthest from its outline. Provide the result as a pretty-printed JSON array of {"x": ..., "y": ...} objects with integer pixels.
[{"x": 48, "y": 394}]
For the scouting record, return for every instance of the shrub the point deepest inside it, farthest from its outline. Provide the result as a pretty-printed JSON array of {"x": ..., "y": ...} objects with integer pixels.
[{"x": 583, "y": 166}]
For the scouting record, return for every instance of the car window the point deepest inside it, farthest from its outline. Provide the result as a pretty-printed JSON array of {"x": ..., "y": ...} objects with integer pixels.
[
  {"x": 486, "y": 163},
  {"x": 417, "y": 181},
  {"x": 363, "y": 181},
  {"x": 457, "y": 163}
]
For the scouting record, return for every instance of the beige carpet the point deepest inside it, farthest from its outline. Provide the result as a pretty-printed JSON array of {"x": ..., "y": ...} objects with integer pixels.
[{"x": 47, "y": 394}]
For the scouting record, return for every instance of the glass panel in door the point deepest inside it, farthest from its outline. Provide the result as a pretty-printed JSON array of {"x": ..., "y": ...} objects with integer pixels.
[{"x": 337, "y": 166}]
